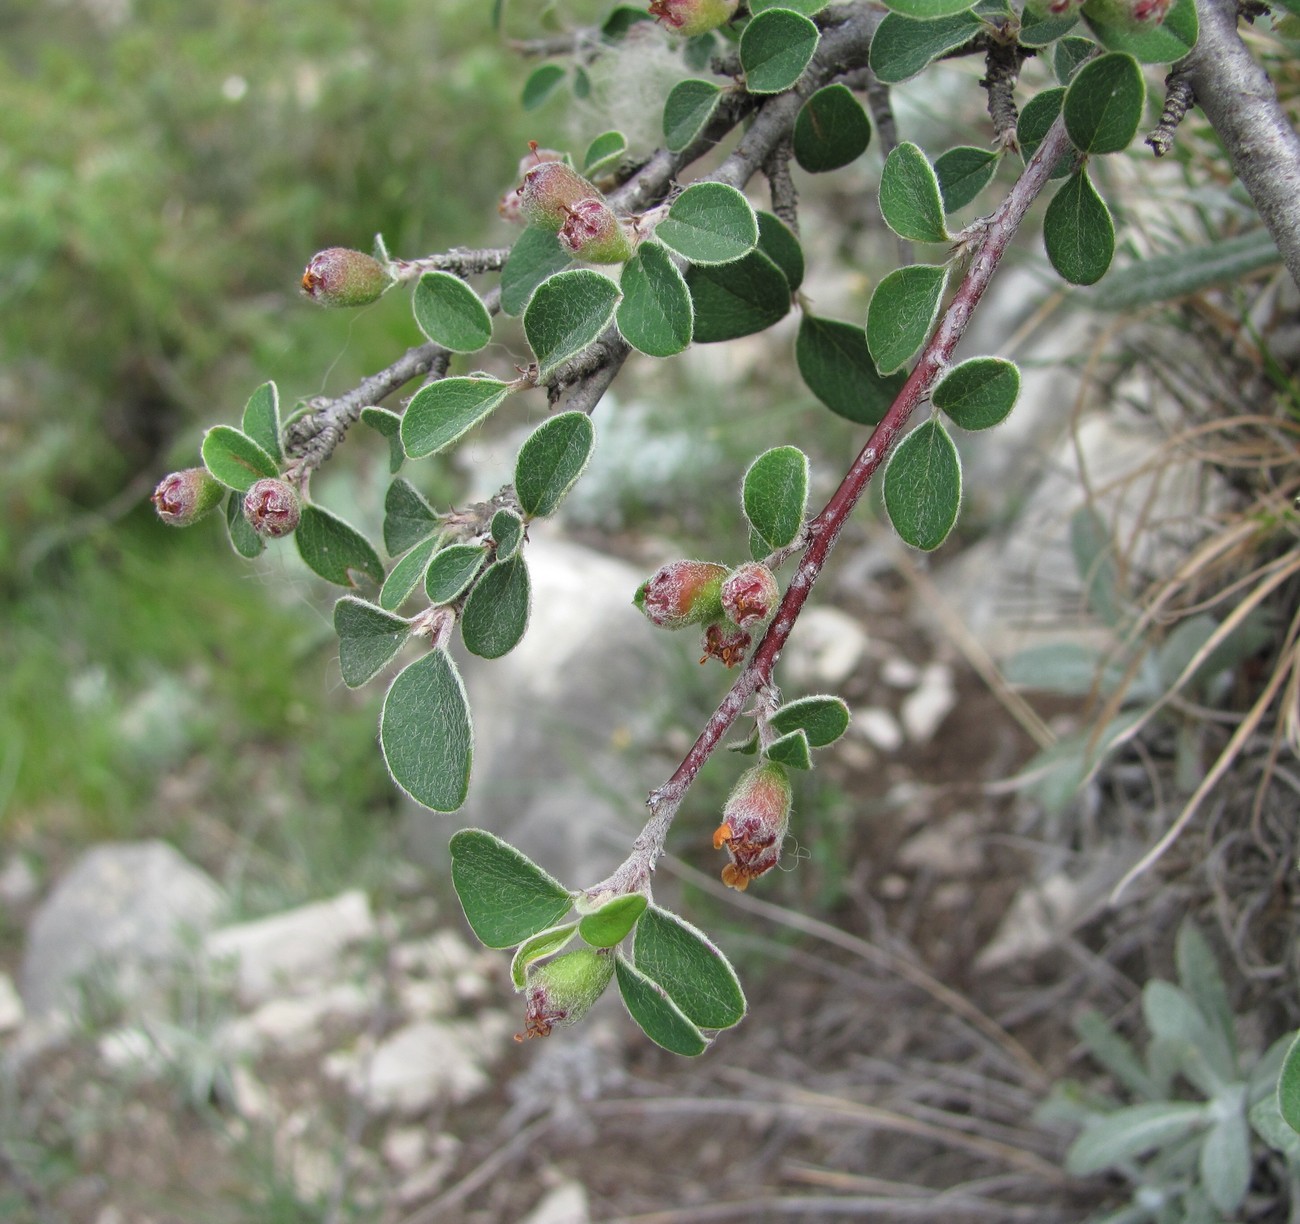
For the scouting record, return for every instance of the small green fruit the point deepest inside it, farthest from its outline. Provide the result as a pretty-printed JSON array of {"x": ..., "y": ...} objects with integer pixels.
[
  {"x": 185, "y": 497},
  {"x": 562, "y": 990},
  {"x": 340, "y": 277},
  {"x": 592, "y": 232},
  {"x": 691, "y": 17},
  {"x": 682, "y": 593}
]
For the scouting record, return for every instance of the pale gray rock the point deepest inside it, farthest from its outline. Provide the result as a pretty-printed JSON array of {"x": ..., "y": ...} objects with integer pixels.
[
  {"x": 947, "y": 849},
  {"x": 432, "y": 1062},
  {"x": 565, "y": 1204},
  {"x": 11, "y": 1006},
  {"x": 124, "y": 910},
  {"x": 926, "y": 706},
  {"x": 878, "y": 727},
  {"x": 825, "y": 648},
  {"x": 292, "y": 950},
  {"x": 294, "y": 1026},
  {"x": 18, "y": 882}
]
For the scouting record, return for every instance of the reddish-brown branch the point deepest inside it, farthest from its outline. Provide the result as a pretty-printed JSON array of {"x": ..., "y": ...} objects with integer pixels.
[{"x": 986, "y": 245}]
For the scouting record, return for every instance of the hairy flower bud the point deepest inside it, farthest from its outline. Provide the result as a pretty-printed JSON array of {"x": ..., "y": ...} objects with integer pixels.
[
  {"x": 185, "y": 497},
  {"x": 725, "y": 642},
  {"x": 754, "y": 824},
  {"x": 682, "y": 593},
  {"x": 272, "y": 508},
  {"x": 592, "y": 232},
  {"x": 691, "y": 17},
  {"x": 340, "y": 277},
  {"x": 510, "y": 204},
  {"x": 549, "y": 193},
  {"x": 562, "y": 990},
  {"x": 1128, "y": 14},
  {"x": 750, "y": 594}
]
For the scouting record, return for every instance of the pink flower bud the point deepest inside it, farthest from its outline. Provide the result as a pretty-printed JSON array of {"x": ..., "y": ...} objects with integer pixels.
[
  {"x": 754, "y": 824},
  {"x": 691, "y": 17},
  {"x": 272, "y": 508},
  {"x": 682, "y": 593},
  {"x": 750, "y": 594},
  {"x": 562, "y": 990},
  {"x": 339, "y": 277},
  {"x": 185, "y": 497},
  {"x": 724, "y": 642},
  {"x": 592, "y": 232},
  {"x": 550, "y": 191}
]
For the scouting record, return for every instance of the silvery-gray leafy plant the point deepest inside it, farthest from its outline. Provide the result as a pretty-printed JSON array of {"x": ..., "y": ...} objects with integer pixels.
[{"x": 695, "y": 261}]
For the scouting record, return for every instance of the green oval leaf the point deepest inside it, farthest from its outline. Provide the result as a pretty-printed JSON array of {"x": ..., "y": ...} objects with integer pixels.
[
  {"x": 603, "y": 152},
  {"x": 657, "y": 1015},
  {"x": 1069, "y": 55},
  {"x": 1038, "y": 115},
  {"x": 978, "y": 393},
  {"x": 507, "y": 534},
  {"x": 235, "y": 459},
  {"x": 1103, "y": 104},
  {"x": 408, "y": 517},
  {"x": 687, "y": 111},
  {"x": 536, "y": 255},
  {"x": 831, "y": 130},
  {"x": 426, "y": 735},
  {"x": 605, "y": 927},
  {"x": 555, "y": 454},
  {"x": 407, "y": 574},
  {"x": 262, "y": 419},
  {"x": 335, "y": 550},
  {"x": 1078, "y": 232},
  {"x": 507, "y": 898},
  {"x": 446, "y": 410},
  {"x": 243, "y": 539},
  {"x": 903, "y": 46},
  {"x": 690, "y": 968},
  {"x": 389, "y": 425},
  {"x": 822, "y": 719},
  {"x": 809, "y": 8},
  {"x": 928, "y": 10},
  {"x": 901, "y": 313},
  {"x": 909, "y": 196},
  {"x": 963, "y": 173},
  {"x": 775, "y": 49},
  {"x": 1186, "y": 270},
  {"x": 452, "y": 570},
  {"x": 791, "y": 750},
  {"x": 655, "y": 315},
  {"x": 541, "y": 84},
  {"x": 923, "y": 486},
  {"x": 566, "y": 313},
  {"x": 1123, "y": 1135},
  {"x": 1040, "y": 29},
  {"x": 778, "y": 242},
  {"x": 737, "y": 299},
  {"x": 544, "y": 943},
  {"x": 1288, "y": 1086},
  {"x": 450, "y": 313},
  {"x": 1170, "y": 40},
  {"x": 833, "y": 360},
  {"x": 368, "y": 638},
  {"x": 496, "y": 611},
  {"x": 775, "y": 494},
  {"x": 709, "y": 223}
]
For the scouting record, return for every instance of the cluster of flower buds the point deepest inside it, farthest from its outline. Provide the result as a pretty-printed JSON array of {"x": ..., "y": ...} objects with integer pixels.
[
  {"x": 562, "y": 990},
  {"x": 754, "y": 824},
  {"x": 340, "y": 277},
  {"x": 728, "y": 603},
  {"x": 691, "y": 17},
  {"x": 272, "y": 508},
  {"x": 555, "y": 197},
  {"x": 185, "y": 497},
  {"x": 1126, "y": 14}
]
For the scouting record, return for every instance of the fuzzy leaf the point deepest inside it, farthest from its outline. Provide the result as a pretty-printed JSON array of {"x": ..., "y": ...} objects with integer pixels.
[
  {"x": 607, "y": 926},
  {"x": 334, "y": 549},
  {"x": 551, "y": 460},
  {"x": 963, "y": 173},
  {"x": 507, "y": 898},
  {"x": 536, "y": 255},
  {"x": 450, "y": 313},
  {"x": 903, "y": 46},
  {"x": 690, "y": 968},
  {"x": 791, "y": 750},
  {"x": 979, "y": 392},
  {"x": 1189, "y": 270},
  {"x": 689, "y": 107},
  {"x": 507, "y": 533},
  {"x": 243, "y": 539},
  {"x": 1225, "y": 1162},
  {"x": 1069, "y": 55},
  {"x": 657, "y": 1015},
  {"x": 389, "y": 425},
  {"x": 408, "y": 517},
  {"x": 809, "y": 8},
  {"x": 655, "y": 316},
  {"x": 928, "y": 10},
  {"x": 1078, "y": 232},
  {"x": 446, "y": 410},
  {"x": 1170, "y": 40},
  {"x": 737, "y": 299},
  {"x": 566, "y": 314},
  {"x": 1127, "y": 1134},
  {"x": 1288, "y": 1086},
  {"x": 426, "y": 734},
  {"x": 709, "y": 223},
  {"x": 235, "y": 459},
  {"x": 1041, "y": 29},
  {"x": 407, "y": 574},
  {"x": 923, "y": 486},
  {"x": 496, "y": 611},
  {"x": 910, "y": 200},
  {"x": 901, "y": 313},
  {"x": 603, "y": 152},
  {"x": 452, "y": 570},
  {"x": 262, "y": 419},
  {"x": 368, "y": 638},
  {"x": 1094, "y": 559},
  {"x": 1038, "y": 115},
  {"x": 541, "y": 84},
  {"x": 1199, "y": 976},
  {"x": 544, "y": 943},
  {"x": 777, "y": 241},
  {"x": 822, "y": 719},
  {"x": 831, "y": 130},
  {"x": 833, "y": 360},
  {"x": 1103, "y": 104},
  {"x": 775, "y": 494},
  {"x": 775, "y": 49}
]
